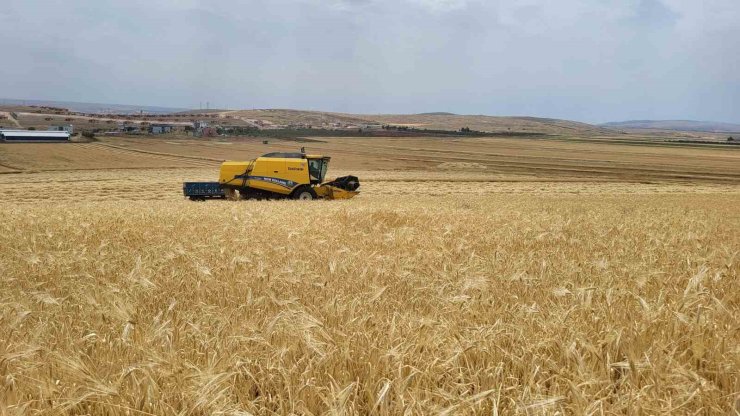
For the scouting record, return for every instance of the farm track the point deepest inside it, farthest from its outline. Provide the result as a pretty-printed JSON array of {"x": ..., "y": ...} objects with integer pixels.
[
  {"x": 11, "y": 118},
  {"x": 9, "y": 168}
]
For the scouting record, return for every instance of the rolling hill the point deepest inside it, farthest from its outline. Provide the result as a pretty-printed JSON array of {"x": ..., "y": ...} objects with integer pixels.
[
  {"x": 430, "y": 121},
  {"x": 675, "y": 125},
  {"x": 290, "y": 118},
  {"x": 281, "y": 118},
  {"x": 491, "y": 123}
]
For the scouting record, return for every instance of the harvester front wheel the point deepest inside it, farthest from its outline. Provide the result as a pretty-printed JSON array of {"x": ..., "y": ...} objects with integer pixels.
[{"x": 305, "y": 193}]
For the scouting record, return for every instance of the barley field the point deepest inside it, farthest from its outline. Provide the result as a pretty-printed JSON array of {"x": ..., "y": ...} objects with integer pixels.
[{"x": 455, "y": 290}]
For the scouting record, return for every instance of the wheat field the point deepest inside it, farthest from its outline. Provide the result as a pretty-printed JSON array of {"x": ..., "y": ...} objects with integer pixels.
[
  {"x": 551, "y": 285},
  {"x": 496, "y": 304}
]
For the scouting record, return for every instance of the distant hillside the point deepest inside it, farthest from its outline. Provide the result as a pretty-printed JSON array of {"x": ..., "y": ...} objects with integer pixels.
[
  {"x": 33, "y": 113},
  {"x": 287, "y": 117},
  {"x": 676, "y": 125},
  {"x": 431, "y": 121},
  {"x": 490, "y": 123},
  {"x": 96, "y": 108}
]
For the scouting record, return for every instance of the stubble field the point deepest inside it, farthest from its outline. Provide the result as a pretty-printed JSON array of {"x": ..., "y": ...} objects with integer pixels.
[{"x": 453, "y": 290}]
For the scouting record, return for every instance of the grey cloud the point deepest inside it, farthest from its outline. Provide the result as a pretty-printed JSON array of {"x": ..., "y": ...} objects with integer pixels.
[
  {"x": 580, "y": 59},
  {"x": 652, "y": 13}
]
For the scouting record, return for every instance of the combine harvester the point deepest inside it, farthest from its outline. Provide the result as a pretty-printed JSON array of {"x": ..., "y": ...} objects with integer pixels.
[{"x": 274, "y": 176}]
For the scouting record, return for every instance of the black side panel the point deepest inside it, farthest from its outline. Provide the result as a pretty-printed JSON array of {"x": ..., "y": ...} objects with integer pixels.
[{"x": 203, "y": 189}]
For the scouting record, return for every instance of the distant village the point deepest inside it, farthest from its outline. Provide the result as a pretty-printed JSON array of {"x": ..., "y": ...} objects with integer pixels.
[{"x": 27, "y": 124}]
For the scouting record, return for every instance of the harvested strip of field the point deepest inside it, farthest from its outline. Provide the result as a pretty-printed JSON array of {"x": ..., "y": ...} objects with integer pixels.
[
  {"x": 551, "y": 158},
  {"x": 100, "y": 185},
  {"x": 166, "y": 184},
  {"x": 72, "y": 156},
  {"x": 166, "y": 155},
  {"x": 545, "y": 159}
]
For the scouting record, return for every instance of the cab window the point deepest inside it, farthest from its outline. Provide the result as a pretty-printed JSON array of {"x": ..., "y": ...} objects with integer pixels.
[{"x": 316, "y": 169}]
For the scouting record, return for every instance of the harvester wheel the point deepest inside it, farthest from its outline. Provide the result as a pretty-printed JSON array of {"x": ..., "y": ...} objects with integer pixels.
[{"x": 306, "y": 193}]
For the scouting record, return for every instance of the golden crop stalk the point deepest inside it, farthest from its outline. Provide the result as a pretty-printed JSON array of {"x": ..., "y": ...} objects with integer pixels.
[{"x": 536, "y": 300}]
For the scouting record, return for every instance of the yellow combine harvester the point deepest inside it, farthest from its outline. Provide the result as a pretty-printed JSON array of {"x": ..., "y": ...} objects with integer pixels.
[{"x": 275, "y": 175}]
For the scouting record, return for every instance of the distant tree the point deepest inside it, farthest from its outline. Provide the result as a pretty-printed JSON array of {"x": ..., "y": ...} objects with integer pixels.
[
  {"x": 32, "y": 128},
  {"x": 730, "y": 139}
]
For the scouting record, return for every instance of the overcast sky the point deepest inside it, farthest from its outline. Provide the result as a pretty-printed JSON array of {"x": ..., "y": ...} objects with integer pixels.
[{"x": 588, "y": 60}]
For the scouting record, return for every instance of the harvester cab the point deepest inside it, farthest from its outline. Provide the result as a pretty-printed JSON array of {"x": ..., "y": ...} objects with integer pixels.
[
  {"x": 317, "y": 167},
  {"x": 275, "y": 175}
]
